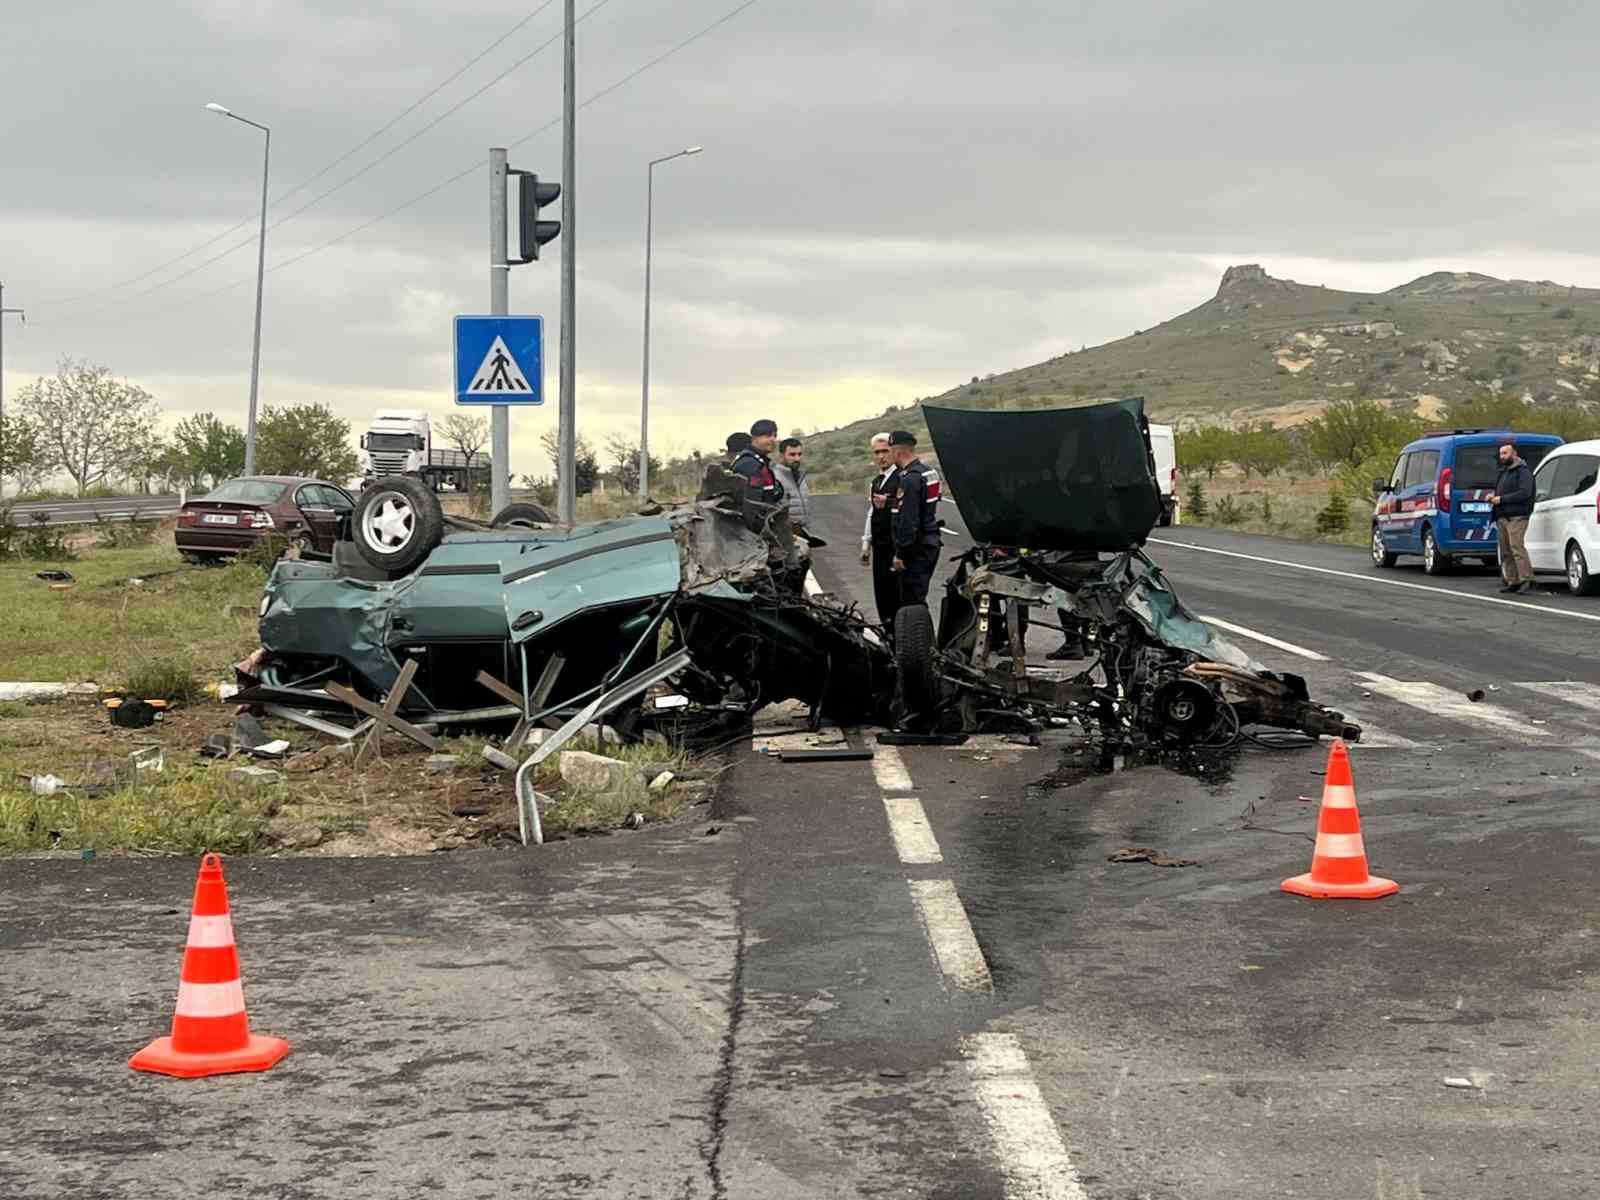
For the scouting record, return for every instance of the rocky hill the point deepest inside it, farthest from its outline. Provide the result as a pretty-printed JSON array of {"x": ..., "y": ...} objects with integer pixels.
[{"x": 1272, "y": 349}]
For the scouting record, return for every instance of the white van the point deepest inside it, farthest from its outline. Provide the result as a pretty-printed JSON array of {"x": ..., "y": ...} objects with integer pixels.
[
  {"x": 1164, "y": 445},
  {"x": 1564, "y": 531}
]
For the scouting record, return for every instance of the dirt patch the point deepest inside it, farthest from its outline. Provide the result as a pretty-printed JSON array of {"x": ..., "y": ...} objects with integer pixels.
[{"x": 320, "y": 803}]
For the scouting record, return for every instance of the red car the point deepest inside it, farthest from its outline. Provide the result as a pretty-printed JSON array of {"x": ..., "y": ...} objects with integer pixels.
[{"x": 228, "y": 520}]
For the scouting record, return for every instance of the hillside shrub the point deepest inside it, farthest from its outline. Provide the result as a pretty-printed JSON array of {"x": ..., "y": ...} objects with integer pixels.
[
  {"x": 1335, "y": 518},
  {"x": 1228, "y": 512},
  {"x": 1195, "y": 502}
]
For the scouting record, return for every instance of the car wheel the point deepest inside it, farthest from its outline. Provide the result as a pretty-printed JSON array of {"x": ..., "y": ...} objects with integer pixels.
[
  {"x": 1434, "y": 560},
  {"x": 913, "y": 655},
  {"x": 1579, "y": 581},
  {"x": 1380, "y": 556},
  {"x": 521, "y": 516},
  {"x": 397, "y": 523}
]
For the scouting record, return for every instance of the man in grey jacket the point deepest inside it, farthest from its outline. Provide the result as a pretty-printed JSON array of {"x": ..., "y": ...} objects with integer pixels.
[{"x": 790, "y": 469}]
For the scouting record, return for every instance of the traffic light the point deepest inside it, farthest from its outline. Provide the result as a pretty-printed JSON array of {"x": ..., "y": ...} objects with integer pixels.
[{"x": 531, "y": 197}]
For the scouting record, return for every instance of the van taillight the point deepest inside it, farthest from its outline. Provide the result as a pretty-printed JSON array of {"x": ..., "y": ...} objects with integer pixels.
[{"x": 1443, "y": 490}]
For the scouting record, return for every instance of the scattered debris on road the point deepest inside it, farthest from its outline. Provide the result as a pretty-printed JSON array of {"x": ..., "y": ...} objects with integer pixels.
[{"x": 1137, "y": 854}]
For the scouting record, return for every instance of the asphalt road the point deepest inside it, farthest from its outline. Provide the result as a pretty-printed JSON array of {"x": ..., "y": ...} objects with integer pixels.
[
  {"x": 80, "y": 512},
  {"x": 916, "y": 976}
]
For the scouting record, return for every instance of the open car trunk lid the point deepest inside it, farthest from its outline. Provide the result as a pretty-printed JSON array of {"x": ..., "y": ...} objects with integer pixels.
[{"x": 1050, "y": 479}]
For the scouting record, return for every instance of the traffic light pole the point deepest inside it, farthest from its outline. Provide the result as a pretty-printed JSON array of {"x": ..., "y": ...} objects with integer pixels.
[
  {"x": 567, "y": 468},
  {"x": 499, "y": 306}
]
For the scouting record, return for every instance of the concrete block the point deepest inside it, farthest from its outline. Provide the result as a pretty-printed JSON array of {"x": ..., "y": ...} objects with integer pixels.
[{"x": 254, "y": 776}]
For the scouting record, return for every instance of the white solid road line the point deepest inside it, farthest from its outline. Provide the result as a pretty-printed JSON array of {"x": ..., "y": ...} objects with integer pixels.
[
  {"x": 913, "y": 836},
  {"x": 1033, "y": 1158},
  {"x": 1374, "y": 737},
  {"x": 1289, "y": 647},
  {"x": 1442, "y": 701},
  {"x": 1399, "y": 583},
  {"x": 889, "y": 769},
  {"x": 955, "y": 946},
  {"x": 1568, "y": 691}
]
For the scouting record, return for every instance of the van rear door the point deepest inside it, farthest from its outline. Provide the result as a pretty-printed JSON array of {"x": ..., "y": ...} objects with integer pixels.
[{"x": 1472, "y": 478}]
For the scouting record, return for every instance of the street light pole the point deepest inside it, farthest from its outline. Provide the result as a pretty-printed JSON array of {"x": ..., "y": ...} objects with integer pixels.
[
  {"x": 261, "y": 269},
  {"x": 644, "y": 390}
]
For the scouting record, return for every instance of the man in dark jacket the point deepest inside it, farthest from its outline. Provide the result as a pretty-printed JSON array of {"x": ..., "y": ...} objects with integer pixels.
[
  {"x": 755, "y": 463},
  {"x": 916, "y": 519},
  {"x": 1513, "y": 505}
]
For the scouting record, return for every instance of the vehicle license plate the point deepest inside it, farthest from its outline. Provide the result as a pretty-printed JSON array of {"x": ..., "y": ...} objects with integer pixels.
[
  {"x": 1476, "y": 508},
  {"x": 219, "y": 519}
]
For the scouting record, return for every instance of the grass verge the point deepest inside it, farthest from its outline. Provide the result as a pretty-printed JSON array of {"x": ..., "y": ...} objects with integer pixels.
[{"x": 103, "y": 628}]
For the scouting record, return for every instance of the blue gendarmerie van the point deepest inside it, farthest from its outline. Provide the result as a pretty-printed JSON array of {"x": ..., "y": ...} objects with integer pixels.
[{"x": 1435, "y": 501}]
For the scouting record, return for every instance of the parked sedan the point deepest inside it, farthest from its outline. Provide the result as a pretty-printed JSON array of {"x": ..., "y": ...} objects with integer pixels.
[{"x": 304, "y": 513}]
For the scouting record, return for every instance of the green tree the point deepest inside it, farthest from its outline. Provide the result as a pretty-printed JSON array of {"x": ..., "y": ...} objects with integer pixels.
[
  {"x": 1194, "y": 504},
  {"x": 1490, "y": 410},
  {"x": 1335, "y": 518},
  {"x": 1347, "y": 432},
  {"x": 1203, "y": 448},
  {"x": 20, "y": 451},
  {"x": 1261, "y": 450},
  {"x": 204, "y": 451},
  {"x": 585, "y": 462},
  {"x": 305, "y": 439},
  {"x": 89, "y": 425}
]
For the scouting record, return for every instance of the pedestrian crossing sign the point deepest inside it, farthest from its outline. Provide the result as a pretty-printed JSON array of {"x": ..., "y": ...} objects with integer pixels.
[{"x": 499, "y": 360}]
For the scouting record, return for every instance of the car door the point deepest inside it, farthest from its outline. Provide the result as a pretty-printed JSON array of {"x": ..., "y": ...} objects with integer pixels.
[
  {"x": 341, "y": 506},
  {"x": 1390, "y": 526},
  {"x": 1416, "y": 495},
  {"x": 1549, "y": 503},
  {"x": 312, "y": 501},
  {"x": 1571, "y": 510}
]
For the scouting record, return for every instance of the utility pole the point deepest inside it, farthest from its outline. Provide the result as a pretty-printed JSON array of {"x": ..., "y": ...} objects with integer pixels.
[
  {"x": 23, "y": 317},
  {"x": 644, "y": 386},
  {"x": 499, "y": 306},
  {"x": 566, "y": 469}
]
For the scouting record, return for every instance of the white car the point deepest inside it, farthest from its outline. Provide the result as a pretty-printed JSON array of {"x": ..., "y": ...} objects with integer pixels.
[
  {"x": 1164, "y": 447},
  {"x": 1564, "y": 530}
]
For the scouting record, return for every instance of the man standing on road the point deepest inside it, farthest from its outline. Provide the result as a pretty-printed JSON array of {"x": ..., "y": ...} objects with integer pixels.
[
  {"x": 755, "y": 464},
  {"x": 1513, "y": 505},
  {"x": 916, "y": 519},
  {"x": 877, "y": 531},
  {"x": 790, "y": 469}
]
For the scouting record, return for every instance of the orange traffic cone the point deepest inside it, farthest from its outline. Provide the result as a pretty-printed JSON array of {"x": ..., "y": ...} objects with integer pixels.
[
  {"x": 210, "y": 1032},
  {"x": 1339, "y": 863}
]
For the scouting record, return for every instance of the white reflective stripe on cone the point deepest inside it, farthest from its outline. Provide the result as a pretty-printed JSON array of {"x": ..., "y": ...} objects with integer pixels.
[
  {"x": 1339, "y": 795},
  {"x": 208, "y": 932},
  {"x": 210, "y": 999},
  {"x": 1340, "y": 845}
]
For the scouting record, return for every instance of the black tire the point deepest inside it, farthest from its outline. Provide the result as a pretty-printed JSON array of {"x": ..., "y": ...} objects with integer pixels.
[
  {"x": 1380, "y": 556},
  {"x": 1434, "y": 560},
  {"x": 521, "y": 514},
  {"x": 397, "y": 523},
  {"x": 1579, "y": 581},
  {"x": 913, "y": 655},
  {"x": 1165, "y": 520}
]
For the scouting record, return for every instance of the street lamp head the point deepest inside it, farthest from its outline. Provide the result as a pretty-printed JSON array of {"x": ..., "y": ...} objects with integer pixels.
[
  {"x": 218, "y": 108},
  {"x": 694, "y": 149}
]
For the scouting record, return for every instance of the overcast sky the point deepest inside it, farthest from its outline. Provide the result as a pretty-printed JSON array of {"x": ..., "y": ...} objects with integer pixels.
[{"x": 895, "y": 195}]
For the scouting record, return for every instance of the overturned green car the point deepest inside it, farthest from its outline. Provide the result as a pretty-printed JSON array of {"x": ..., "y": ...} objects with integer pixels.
[{"x": 692, "y": 599}]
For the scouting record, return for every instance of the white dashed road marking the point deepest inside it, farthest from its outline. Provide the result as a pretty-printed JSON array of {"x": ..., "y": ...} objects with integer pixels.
[
  {"x": 1568, "y": 691},
  {"x": 913, "y": 836},
  {"x": 889, "y": 769},
  {"x": 1550, "y": 611},
  {"x": 1288, "y": 647},
  {"x": 1444, "y": 702},
  {"x": 955, "y": 946},
  {"x": 1033, "y": 1157}
]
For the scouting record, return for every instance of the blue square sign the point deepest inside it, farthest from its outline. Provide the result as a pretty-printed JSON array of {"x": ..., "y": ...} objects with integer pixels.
[{"x": 499, "y": 360}]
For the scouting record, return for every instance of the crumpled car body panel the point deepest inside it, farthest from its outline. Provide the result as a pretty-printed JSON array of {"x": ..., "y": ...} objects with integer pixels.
[{"x": 1051, "y": 479}]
